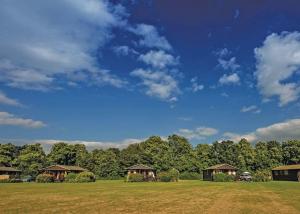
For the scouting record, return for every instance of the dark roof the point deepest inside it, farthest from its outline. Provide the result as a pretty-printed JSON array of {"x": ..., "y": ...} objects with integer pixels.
[
  {"x": 287, "y": 167},
  {"x": 8, "y": 169},
  {"x": 140, "y": 166},
  {"x": 222, "y": 166},
  {"x": 64, "y": 167}
]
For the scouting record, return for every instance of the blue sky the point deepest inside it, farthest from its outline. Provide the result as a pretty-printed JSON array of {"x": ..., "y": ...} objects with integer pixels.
[{"x": 110, "y": 73}]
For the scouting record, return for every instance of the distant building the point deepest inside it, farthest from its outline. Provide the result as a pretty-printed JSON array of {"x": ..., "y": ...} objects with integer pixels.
[
  {"x": 60, "y": 171},
  {"x": 8, "y": 172},
  {"x": 208, "y": 174},
  {"x": 286, "y": 173},
  {"x": 146, "y": 171}
]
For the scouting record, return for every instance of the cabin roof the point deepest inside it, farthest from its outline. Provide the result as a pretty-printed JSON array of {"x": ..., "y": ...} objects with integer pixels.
[
  {"x": 140, "y": 166},
  {"x": 64, "y": 167},
  {"x": 222, "y": 166},
  {"x": 287, "y": 167},
  {"x": 8, "y": 169}
]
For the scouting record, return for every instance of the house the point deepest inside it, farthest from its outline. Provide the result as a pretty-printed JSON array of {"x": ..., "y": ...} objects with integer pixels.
[
  {"x": 8, "y": 172},
  {"x": 60, "y": 171},
  {"x": 286, "y": 173},
  {"x": 209, "y": 173},
  {"x": 146, "y": 171}
]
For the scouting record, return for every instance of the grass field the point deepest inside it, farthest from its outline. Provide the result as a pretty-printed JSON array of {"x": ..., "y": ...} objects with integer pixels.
[{"x": 120, "y": 197}]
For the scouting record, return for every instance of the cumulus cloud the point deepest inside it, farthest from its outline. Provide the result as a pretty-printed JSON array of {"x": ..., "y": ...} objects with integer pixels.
[
  {"x": 150, "y": 37},
  {"x": 158, "y": 59},
  {"x": 199, "y": 133},
  {"x": 282, "y": 131},
  {"x": 8, "y": 119},
  {"x": 37, "y": 44},
  {"x": 229, "y": 79},
  {"x": 124, "y": 50},
  {"x": 195, "y": 85},
  {"x": 230, "y": 64},
  {"x": 252, "y": 108},
  {"x": 158, "y": 84},
  {"x": 277, "y": 60},
  {"x": 8, "y": 101}
]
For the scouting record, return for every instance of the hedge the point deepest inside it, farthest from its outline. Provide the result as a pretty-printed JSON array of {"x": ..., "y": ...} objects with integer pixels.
[
  {"x": 137, "y": 177},
  {"x": 222, "y": 177},
  {"x": 44, "y": 178},
  {"x": 84, "y": 177},
  {"x": 189, "y": 176}
]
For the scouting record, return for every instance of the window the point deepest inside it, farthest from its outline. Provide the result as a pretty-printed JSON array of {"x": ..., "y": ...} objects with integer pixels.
[
  {"x": 286, "y": 172},
  {"x": 276, "y": 172}
]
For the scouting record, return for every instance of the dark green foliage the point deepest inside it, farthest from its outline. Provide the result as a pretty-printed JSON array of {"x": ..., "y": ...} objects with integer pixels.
[
  {"x": 70, "y": 178},
  {"x": 85, "y": 177},
  {"x": 189, "y": 176},
  {"x": 164, "y": 177},
  {"x": 261, "y": 176},
  {"x": 161, "y": 154},
  {"x": 135, "y": 177},
  {"x": 222, "y": 177},
  {"x": 15, "y": 180},
  {"x": 44, "y": 178}
]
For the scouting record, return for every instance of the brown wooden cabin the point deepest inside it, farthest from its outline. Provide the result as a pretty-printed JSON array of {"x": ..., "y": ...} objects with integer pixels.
[
  {"x": 146, "y": 171},
  {"x": 60, "y": 171},
  {"x": 208, "y": 174},
  {"x": 286, "y": 173},
  {"x": 8, "y": 172}
]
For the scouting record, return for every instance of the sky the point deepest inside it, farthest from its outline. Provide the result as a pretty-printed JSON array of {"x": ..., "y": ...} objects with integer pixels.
[{"x": 112, "y": 73}]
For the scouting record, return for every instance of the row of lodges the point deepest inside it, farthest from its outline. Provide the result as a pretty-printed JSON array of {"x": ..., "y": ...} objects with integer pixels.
[{"x": 281, "y": 173}]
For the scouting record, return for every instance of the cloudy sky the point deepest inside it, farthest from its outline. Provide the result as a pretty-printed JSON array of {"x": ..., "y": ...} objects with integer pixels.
[{"x": 115, "y": 72}]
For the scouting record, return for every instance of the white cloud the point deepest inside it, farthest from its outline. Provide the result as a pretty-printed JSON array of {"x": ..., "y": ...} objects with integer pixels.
[
  {"x": 195, "y": 85},
  {"x": 198, "y": 133},
  {"x": 229, "y": 79},
  {"x": 151, "y": 37},
  {"x": 221, "y": 53},
  {"x": 11, "y": 120},
  {"x": 185, "y": 118},
  {"x": 252, "y": 108},
  {"x": 229, "y": 64},
  {"x": 277, "y": 60},
  {"x": 37, "y": 44},
  {"x": 124, "y": 50},
  {"x": 286, "y": 130},
  {"x": 158, "y": 59},
  {"x": 8, "y": 101},
  {"x": 158, "y": 83}
]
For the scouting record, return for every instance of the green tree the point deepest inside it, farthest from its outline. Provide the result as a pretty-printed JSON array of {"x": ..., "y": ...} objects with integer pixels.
[
  {"x": 31, "y": 159},
  {"x": 245, "y": 155},
  {"x": 291, "y": 152},
  {"x": 8, "y": 153}
]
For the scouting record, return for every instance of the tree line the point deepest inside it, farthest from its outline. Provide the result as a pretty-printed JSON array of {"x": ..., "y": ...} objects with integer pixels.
[{"x": 174, "y": 152}]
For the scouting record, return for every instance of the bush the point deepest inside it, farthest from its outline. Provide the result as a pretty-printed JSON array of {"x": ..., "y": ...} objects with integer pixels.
[
  {"x": 15, "y": 180},
  {"x": 84, "y": 177},
  {"x": 165, "y": 177},
  {"x": 135, "y": 177},
  {"x": 44, "y": 178},
  {"x": 174, "y": 174},
  {"x": 261, "y": 176},
  {"x": 70, "y": 178},
  {"x": 189, "y": 176},
  {"x": 222, "y": 177}
]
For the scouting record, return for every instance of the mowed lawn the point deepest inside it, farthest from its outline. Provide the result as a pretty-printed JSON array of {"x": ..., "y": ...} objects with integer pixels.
[{"x": 181, "y": 197}]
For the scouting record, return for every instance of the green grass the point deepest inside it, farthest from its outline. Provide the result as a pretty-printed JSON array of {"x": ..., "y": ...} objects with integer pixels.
[{"x": 181, "y": 197}]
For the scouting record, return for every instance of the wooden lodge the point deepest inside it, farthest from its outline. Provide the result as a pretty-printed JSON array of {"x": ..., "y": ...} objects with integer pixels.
[
  {"x": 60, "y": 171},
  {"x": 208, "y": 174},
  {"x": 286, "y": 173},
  {"x": 146, "y": 171},
  {"x": 8, "y": 172}
]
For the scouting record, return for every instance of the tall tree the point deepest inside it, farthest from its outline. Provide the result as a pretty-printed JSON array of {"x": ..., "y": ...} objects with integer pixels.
[
  {"x": 31, "y": 159},
  {"x": 8, "y": 153},
  {"x": 245, "y": 155},
  {"x": 291, "y": 152}
]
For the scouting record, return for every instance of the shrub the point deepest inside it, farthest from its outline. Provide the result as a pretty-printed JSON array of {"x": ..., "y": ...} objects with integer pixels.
[
  {"x": 189, "y": 176},
  {"x": 261, "y": 176},
  {"x": 70, "y": 178},
  {"x": 85, "y": 177},
  {"x": 164, "y": 177},
  {"x": 44, "y": 178},
  {"x": 174, "y": 174},
  {"x": 15, "y": 180},
  {"x": 222, "y": 177},
  {"x": 135, "y": 177}
]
